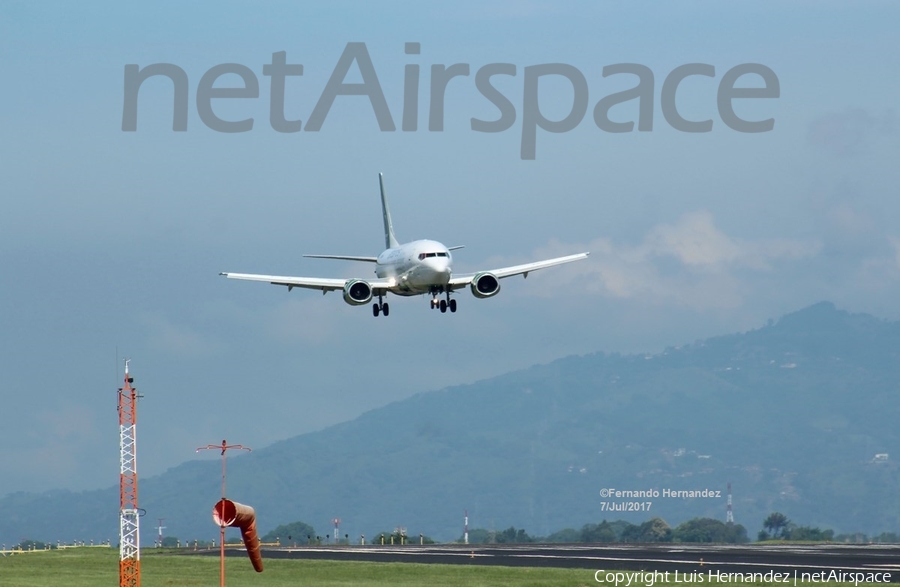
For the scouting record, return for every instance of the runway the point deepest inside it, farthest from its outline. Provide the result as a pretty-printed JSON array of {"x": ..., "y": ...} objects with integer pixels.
[{"x": 790, "y": 560}]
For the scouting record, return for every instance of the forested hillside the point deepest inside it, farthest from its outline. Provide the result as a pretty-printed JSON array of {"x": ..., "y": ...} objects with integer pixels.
[{"x": 799, "y": 415}]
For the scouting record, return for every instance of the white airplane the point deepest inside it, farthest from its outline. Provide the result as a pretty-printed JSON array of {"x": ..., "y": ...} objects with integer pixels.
[{"x": 417, "y": 268}]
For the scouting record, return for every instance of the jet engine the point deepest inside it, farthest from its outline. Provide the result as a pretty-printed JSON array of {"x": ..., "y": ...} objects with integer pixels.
[
  {"x": 485, "y": 285},
  {"x": 357, "y": 292}
]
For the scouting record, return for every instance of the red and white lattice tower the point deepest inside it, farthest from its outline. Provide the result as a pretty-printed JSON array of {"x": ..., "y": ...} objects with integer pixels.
[
  {"x": 129, "y": 525},
  {"x": 729, "y": 514}
]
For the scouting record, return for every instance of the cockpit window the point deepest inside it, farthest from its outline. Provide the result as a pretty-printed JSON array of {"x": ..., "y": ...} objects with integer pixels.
[{"x": 425, "y": 255}]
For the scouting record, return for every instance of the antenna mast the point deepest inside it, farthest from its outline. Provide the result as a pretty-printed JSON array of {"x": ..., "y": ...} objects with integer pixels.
[
  {"x": 729, "y": 513},
  {"x": 129, "y": 520},
  {"x": 159, "y": 539},
  {"x": 466, "y": 527}
]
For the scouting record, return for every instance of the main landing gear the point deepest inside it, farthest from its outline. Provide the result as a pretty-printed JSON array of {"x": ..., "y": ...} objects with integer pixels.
[
  {"x": 380, "y": 306},
  {"x": 442, "y": 304}
]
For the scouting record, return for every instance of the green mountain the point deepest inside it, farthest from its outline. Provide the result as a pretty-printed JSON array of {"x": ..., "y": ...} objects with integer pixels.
[{"x": 800, "y": 416}]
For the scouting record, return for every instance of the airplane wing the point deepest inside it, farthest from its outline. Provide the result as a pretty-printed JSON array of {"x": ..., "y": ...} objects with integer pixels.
[
  {"x": 344, "y": 258},
  {"x": 321, "y": 283},
  {"x": 525, "y": 269}
]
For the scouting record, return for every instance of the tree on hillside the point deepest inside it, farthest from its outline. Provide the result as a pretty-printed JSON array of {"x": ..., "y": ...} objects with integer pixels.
[
  {"x": 776, "y": 524},
  {"x": 293, "y": 533},
  {"x": 512, "y": 536},
  {"x": 710, "y": 530},
  {"x": 807, "y": 533},
  {"x": 653, "y": 530},
  {"x": 887, "y": 538},
  {"x": 736, "y": 534},
  {"x": 602, "y": 532},
  {"x": 564, "y": 536},
  {"x": 478, "y": 536}
]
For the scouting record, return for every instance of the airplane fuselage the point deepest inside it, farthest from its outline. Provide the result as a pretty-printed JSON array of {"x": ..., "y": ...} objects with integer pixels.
[{"x": 418, "y": 267}]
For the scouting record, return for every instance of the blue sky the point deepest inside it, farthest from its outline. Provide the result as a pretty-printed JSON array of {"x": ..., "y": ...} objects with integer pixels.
[{"x": 111, "y": 241}]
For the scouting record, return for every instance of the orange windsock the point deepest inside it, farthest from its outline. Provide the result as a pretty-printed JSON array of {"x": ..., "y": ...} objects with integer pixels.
[{"x": 231, "y": 513}]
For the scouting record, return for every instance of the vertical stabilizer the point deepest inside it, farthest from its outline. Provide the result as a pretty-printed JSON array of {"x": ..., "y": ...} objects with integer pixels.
[{"x": 390, "y": 241}]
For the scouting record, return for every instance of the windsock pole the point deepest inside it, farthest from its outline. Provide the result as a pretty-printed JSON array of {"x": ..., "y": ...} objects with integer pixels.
[{"x": 224, "y": 447}]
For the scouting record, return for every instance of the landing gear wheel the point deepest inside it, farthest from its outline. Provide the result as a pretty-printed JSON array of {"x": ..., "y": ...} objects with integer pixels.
[
  {"x": 385, "y": 308},
  {"x": 453, "y": 305},
  {"x": 375, "y": 310},
  {"x": 443, "y": 306}
]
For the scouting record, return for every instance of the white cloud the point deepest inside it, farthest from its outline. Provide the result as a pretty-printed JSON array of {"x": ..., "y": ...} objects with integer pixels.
[
  {"x": 689, "y": 263},
  {"x": 694, "y": 240}
]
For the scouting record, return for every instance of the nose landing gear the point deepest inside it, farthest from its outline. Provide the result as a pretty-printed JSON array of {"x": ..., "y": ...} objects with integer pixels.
[{"x": 442, "y": 304}]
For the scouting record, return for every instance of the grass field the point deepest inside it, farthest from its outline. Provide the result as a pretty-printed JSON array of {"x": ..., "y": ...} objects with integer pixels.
[{"x": 97, "y": 567}]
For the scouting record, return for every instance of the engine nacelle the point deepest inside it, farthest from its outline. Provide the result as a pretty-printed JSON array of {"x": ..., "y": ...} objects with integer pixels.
[
  {"x": 357, "y": 292},
  {"x": 485, "y": 285}
]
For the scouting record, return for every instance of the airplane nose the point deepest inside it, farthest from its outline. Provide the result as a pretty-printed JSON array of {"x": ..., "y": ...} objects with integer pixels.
[{"x": 441, "y": 269}]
